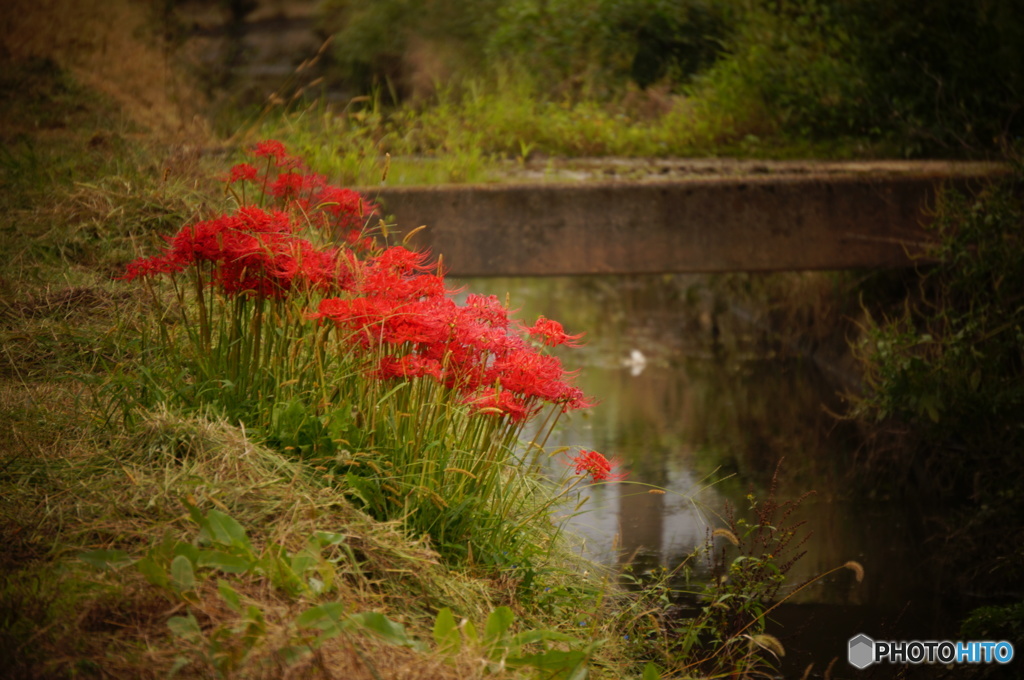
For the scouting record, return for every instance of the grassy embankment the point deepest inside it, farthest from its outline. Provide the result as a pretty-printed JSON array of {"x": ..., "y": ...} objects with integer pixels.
[
  {"x": 86, "y": 189},
  {"x": 147, "y": 535}
]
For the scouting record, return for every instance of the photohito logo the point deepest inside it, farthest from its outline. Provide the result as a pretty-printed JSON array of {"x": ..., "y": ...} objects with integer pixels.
[{"x": 863, "y": 651}]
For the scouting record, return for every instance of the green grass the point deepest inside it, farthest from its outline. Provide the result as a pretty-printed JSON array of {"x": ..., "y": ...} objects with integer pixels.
[
  {"x": 102, "y": 513},
  {"x": 144, "y": 538},
  {"x": 474, "y": 132}
]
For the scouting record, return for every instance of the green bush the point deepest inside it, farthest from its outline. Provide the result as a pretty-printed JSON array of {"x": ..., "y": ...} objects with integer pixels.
[
  {"x": 923, "y": 77},
  {"x": 591, "y": 46},
  {"x": 950, "y": 363},
  {"x": 947, "y": 75}
]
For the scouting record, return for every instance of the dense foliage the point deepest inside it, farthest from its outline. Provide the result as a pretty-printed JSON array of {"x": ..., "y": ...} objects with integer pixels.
[
  {"x": 950, "y": 360},
  {"x": 944, "y": 372},
  {"x": 928, "y": 76}
]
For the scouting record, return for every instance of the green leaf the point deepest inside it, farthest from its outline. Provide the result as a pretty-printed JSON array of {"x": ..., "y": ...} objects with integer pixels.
[
  {"x": 183, "y": 578},
  {"x": 551, "y": 660},
  {"x": 186, "y": 550},
  {"x": 226, "y": 562},
  {"x": 531, "y": 636},
  {"x": 580, "y": 672},
  {"x": 301, "y": 563},
  {"x": 255, "y": 626},
  {"x": 387, "y": 395},
  {"x": 229, "y": 595},
  {"x": 277, "y": 566},
  {"x": 469, "y": 630},
  {"x": 152, "y": 571},
  {"x": 226, "y": 530},
  {"x": 651, "y": 672},
  {"x": 179, "y": 663},
  {"x": 106, "y": 559},
  {"x": 326, "y": 538},
  {"x": 388, "y": 630},
  {"x": 184, "y": 626},
  {"x": 325, "y": 617},
  {"x": 292, "y": 654},
  {"x": 497, "y": 624},
  {"x": 195, "y": 514},
  {"x": 446, "y": 632}
]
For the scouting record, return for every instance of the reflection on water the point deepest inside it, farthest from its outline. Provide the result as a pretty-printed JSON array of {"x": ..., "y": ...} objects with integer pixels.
[{"x": 695, "y": 403}]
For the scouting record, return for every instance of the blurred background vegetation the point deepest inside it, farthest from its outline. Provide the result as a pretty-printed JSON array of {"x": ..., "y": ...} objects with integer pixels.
[
  {"x": 108, "y": 142},
  {"x": 922, "y": 77}
]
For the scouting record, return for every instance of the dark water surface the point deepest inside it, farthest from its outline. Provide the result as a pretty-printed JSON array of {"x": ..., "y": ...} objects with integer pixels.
[{"x": 695, "y": 400}]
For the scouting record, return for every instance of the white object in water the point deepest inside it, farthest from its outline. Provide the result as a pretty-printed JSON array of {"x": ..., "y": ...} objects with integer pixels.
[{"x": 635, "y": 363}]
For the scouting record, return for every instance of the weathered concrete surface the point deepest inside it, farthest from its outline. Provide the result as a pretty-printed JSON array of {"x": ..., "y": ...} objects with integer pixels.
[{"x": 768, "y": 222}]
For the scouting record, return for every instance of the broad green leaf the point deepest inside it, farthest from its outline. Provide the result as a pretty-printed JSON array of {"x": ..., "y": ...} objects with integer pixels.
[
  {"x": 388, "y": 630},
  {"x": 357, "y": 486},
  {"x": 551, "y": 660},
  {"x": 106, "y": 559},
  {"x": 292, "y": 654},
  {"x": 651, "y": 672},
  {"x": 446, "y": 632},
  {"x": 186, "y": 550},
  {"x": 497, "y": 624},
  {"x": 179, "y": 663},
  {"x": 580, "y": 672},
  {"x": 183, "y": 577},
  {"x": 301, "y": 562},
  {"x": 469, "y": 630},
  {"x": 226, "y": 562},
  {"x": 152, "y": 571},
  {"x": 184, "y": 626},
  {"x": 530, "y": 636},
  {"x": 229, "y": 595},
  {"x": 325, "y": 617},
  {"x": 195, "y": 514},
  {"x": 326, "y": 538},
  {"x": 226, "y": 530}
]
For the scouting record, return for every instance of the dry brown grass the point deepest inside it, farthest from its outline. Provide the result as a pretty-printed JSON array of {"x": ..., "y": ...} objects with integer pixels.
[
  {"x": 132, "y": 490},
  {"x": 112, "y": 47}
]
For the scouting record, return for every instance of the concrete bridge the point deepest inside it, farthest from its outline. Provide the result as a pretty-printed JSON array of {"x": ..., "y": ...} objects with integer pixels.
[{"x": 749, "y": 217}]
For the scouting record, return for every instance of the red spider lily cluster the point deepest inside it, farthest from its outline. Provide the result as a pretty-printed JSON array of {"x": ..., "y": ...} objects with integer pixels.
[
  {"x": 402, "y": 313},
  {"x": 389, "y": 301},
  {"x": 253, "y": 252},
  {"x": 596, "y": 465},
  {"x": 266, "y": 253}
]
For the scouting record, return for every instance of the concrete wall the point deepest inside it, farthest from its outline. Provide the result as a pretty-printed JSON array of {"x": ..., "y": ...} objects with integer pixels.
[{"x": 693, "y": 225}]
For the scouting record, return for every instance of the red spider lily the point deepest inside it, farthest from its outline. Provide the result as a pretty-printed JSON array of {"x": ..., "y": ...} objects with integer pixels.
[
  {"x": 488, "y": 310},
  {"x": 418, "y": 323},
  {"x": 552, "y": 334},
  {"x": 408, "y": 366},
  {"x": 254, "y": 252},
  {"x": 597, "y": 466},
  {"x": 530, "y": 374},
  {"x": 327, "y": 269},
  {"x": 271, "y": 148},
  {"x": 289, "y": 185},
  {"x": 348, "y": 208},
  {"x": 242, "y": 172},
  {"x": 401, "y": 274},
  {"x": 502, "y": 402},
  {"x": 152, "y": 266},
  {"x": 355, "y": 315}
]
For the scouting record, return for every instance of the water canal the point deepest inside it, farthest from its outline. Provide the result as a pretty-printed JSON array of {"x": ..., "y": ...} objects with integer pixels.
[{"x": 695, "y": 399}]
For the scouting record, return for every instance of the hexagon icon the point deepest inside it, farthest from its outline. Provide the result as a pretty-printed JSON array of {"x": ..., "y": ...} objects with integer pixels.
[{"x": 861, "y": 651}]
